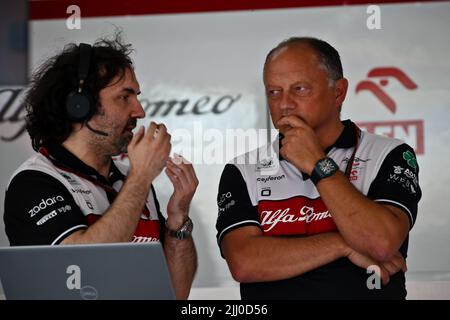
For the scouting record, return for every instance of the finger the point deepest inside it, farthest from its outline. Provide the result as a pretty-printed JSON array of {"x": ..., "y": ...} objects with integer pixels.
[
  {"x": 163, "y": 145},
  {"x": 137, "y": 136},
  {"x": 186, "y": 167},
  {"x": 168, "y": 147},
  {"x": 400, "y": 262},
  {"x": 194, "y": 175},
  {"x": 292, "y": 121},
  {"x": 190, "y": 175},
  {"x": 185, "y": 161},
  {"x": 391, "y": 267},
  {"x": 384, "y": 275},
  {"x": 162, "y": 133},
  {"x": 292, "y": 133},
  {"x": 179, "y": 174},
  {"x": 151, "y": 131},
  {"x": 176, "y": 159},
  {"x": 179, "y": 159},
  {"x": 180, "y": 171},
  {"x": 174, "y": 179},
  {"x": 395, "y": 263},
  {"x": 164, "y": 138}
]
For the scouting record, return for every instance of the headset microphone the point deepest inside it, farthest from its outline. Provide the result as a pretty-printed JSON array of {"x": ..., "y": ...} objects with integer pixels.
[{"x": 102, "y": 133}]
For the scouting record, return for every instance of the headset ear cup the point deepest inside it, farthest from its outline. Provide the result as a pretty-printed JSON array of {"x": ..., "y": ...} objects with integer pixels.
[{"x": 79, "y": 106}]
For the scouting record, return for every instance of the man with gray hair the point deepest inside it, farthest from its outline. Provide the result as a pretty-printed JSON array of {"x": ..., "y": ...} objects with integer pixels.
[{"x": 340, "y": 204}]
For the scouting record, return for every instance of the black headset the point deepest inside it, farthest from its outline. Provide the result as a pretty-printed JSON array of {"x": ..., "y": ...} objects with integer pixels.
[{"x": 80, "y": 104}]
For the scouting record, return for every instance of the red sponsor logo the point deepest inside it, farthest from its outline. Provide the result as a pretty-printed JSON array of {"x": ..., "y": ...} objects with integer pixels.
[
  {"x": 383, "y": 73},
  {"x": 410, "y": 131},
  {"x": 295, "y": 216},
  {"x": 147, "y": 231},
  {"x": 356, "y": 167}
]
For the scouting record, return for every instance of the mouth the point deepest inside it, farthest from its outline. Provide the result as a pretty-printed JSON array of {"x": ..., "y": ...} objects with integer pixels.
[
  {"x": 130, "y": 126},
  {"x": 129, "y": 130}
]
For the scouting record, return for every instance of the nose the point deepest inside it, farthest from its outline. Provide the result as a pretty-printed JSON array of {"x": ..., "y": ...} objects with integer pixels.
[
  {"x": 287, "y": 103},
  {"x": 138, "y": 111}
]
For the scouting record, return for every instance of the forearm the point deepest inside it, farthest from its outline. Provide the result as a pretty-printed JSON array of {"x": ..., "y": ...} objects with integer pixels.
[
  {"x": 119, "y": 222},
  {"x": 258, "y": 258},
  {"x": 366, "y": 226},
  {"x": 181, "y": 259}
]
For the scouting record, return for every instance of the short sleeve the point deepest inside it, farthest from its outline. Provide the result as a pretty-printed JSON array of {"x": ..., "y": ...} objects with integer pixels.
[
  {"x": 39, "y": 210},
  {"x": 235, "y": 207},
  {"x": 397, "y": 182}
]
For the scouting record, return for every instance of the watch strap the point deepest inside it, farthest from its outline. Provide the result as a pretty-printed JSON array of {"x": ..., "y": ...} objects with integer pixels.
[{"x": 184, "y": 232}]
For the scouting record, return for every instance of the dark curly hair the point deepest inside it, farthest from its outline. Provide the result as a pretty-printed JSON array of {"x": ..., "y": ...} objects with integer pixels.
[{"x": 45, "y": 101}]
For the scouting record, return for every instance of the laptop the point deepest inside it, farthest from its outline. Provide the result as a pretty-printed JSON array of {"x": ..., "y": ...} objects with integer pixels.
[{"x": 90, "y": 272}]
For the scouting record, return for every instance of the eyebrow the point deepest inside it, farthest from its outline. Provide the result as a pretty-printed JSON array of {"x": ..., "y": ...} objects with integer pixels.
[{"x": 131, "y": 90}]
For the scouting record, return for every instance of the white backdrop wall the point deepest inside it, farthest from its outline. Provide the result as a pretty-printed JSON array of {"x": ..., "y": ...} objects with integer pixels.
[{"x": 217, "y": 59}]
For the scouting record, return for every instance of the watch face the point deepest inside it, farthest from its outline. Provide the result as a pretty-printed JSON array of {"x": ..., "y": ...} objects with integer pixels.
[
  {"x": 188, "y": 226},
  {"x": 327, "y": 166},
  {"x": 185, "y": 230}
]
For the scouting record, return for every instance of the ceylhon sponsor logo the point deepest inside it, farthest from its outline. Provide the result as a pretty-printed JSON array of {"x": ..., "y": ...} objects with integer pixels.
[
  {"x": 44, "y": 204},
  {"x": 271, "y": 178}
]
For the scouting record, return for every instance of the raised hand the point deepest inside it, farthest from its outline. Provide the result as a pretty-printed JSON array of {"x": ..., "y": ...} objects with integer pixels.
[
  {"x": 148, "y": 151},
  {"x": 300, "y": 145},
  {"x": 182, "y": 175}
]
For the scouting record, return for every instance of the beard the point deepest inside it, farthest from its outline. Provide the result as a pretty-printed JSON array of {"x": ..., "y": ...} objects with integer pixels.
[
  {"x": 122, "y": 145},
  {"x": 117, "y": 140},
  {"x": 123, "y": 140}
]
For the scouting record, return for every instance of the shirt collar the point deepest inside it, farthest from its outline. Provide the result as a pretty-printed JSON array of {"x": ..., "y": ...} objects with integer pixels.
[
  {"x": 347, "y": 138},
  {"x": 66, "y": 158}
]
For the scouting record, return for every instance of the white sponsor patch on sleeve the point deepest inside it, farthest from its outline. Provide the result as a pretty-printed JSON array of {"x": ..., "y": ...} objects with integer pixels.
[{"x": 43, "y": 204}]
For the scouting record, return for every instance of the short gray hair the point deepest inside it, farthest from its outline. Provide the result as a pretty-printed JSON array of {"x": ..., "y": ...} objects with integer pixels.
[{"x": 329, "y": 57}]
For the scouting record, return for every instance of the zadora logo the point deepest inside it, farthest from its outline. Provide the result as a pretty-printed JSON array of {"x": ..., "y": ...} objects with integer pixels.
[{"x": 44, "y": 204}]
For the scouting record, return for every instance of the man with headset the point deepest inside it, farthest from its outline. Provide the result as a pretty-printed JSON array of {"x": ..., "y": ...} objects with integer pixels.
[{"x": 82, "y": 107}]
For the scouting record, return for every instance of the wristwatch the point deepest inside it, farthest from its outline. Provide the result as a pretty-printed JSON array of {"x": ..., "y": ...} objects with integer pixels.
[
  {"x": 324, "y": 168},
  {"x": 184, "y": 232}
]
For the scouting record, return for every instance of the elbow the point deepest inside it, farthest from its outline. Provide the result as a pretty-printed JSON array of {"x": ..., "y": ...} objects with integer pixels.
[
  {"x": 384, "y": 250},
  {"x": 241, "y": 275},
  {"x": 241, "y": 270}
]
